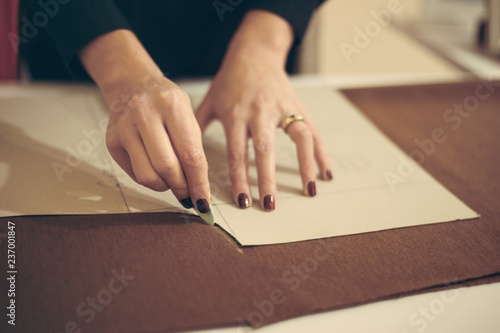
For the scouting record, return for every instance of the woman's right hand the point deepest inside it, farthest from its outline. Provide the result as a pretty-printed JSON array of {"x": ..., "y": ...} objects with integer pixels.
[{"x": 152, "y": 132}]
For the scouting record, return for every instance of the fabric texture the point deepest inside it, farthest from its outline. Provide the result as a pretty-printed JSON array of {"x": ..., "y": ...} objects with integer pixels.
[
  {"x": 185, "y": 38},
  {"x": 161, "y": 272}
]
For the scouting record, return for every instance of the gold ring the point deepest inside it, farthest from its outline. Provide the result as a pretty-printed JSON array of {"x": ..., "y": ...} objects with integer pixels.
[{"x": 290, "y": 120}]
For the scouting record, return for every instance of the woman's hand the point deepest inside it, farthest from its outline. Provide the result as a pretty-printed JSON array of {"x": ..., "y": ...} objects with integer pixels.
[
  {"x": 152, "y": 132},
  {"x": 251, "y": 94}
]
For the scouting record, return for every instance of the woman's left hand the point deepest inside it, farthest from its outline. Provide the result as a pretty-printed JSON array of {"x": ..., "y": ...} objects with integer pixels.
[{"x": 251, "y": 95}]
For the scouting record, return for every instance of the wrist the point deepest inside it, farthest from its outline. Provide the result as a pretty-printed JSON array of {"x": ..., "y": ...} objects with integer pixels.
[
  {"x": 116, "y": 60},
  {"x": 254, "y": 42}
]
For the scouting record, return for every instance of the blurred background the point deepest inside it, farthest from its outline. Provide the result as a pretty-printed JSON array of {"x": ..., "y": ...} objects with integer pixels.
[{"x": 402, "y": 36}]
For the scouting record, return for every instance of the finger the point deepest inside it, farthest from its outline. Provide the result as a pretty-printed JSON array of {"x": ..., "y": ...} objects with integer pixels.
[
  {"x": 322, "y": 158},
  {"x": 264, "y": 145},
  {"x": 163, "y": 158},
  {"x": 185, "y": 135},
  {"x": 144, "y": 172},
  {"x": 320, "y": 153},
  {"x": 300, "y": 133},
  {"x": 237, "y": 148}
]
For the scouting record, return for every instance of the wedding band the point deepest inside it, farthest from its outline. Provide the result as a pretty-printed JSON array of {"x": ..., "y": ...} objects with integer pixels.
[{"x": 290, "y": 120}]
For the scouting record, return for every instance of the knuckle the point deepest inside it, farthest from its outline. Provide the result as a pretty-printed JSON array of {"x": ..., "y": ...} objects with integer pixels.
[
  {"x": 238, "y": 154},
  {"x": 164, "y": 165},
  {"x": 193, "y": 157},
  {"x": 237, "y": 162},
  {"x": 179, "y": 188},
  {"x": 151, "y": 181},
  {"x": 174, "y": 97},
  {"x": 263, "y": 144},
  {"x": 197, "y": 189},
  {"x": 142, "y": 114},
  {"x": 302, "y": 134},
  {"x": 259, "y": 102},
  {"x": 235, "y": 116},
  {"x": 146, "y": 105},
  {"x": 264, "y": 148},
  {"x": 260, "y": 114},
  {"x": 137, "y": 101}
]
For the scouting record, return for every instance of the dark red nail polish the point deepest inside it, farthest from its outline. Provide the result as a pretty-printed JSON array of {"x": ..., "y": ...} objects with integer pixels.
[
  {"x": 269, "y": 202},
  {"x": 203, "y": 206},
  {"x": 243, "y": 201},
  {"x": 187, "y": 203},
  {"x": 329, "y": 175},
  {"x": 311, "y": 188}
]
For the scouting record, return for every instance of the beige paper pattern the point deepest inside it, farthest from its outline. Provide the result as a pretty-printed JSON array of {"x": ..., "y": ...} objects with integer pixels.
[{"x": 53, "y": 160}]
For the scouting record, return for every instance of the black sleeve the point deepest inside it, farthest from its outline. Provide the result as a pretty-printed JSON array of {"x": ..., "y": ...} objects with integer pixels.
[
  {"x": 296, "y": 12},
  {"x": 72, "y": 24}
]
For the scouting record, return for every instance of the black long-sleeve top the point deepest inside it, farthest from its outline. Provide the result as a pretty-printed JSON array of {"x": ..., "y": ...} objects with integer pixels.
[{"x": 184, "y": 37}]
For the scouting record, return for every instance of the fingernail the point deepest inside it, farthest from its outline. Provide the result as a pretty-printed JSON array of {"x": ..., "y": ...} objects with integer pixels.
[
  {"x": 311, "y": 188},
  {"x": 187, "y": 203},
  {"x": 203, "y": 206},
  {"x": 204, "y": 209},
  {"x": 269, "y": 202},
  {"x": 243, "y": 201},
  {"x": 329, "y": 175}
]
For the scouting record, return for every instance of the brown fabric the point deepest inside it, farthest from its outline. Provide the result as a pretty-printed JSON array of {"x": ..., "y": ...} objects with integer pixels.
[{"x": 188, "y": 275}]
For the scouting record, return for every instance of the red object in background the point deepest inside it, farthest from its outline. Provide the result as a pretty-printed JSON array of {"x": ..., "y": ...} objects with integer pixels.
[{"x": 9, "y": 35}]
